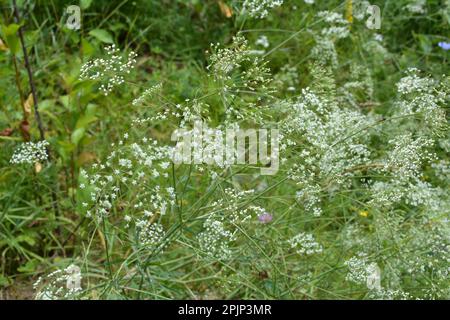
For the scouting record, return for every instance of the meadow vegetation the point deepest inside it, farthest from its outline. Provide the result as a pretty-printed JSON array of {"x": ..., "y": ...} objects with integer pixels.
[{"x": 94, "y": 206}]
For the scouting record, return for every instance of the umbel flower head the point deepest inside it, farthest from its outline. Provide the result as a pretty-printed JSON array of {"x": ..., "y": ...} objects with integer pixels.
[
  {"x": 305, "y": 244},
  {"x": 30, "y": 152},
  {"x": 109, "y": 71},
  {"x": 60, "y": 284},
  {"x": 260, "y": 8}
]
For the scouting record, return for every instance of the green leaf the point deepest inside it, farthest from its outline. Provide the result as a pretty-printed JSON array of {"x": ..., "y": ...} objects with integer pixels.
[
  {"x": 11, "y": 37},
  {"x": 77, "y": 135},
  {"x": 26, "y": 238},
  {"x": 425, "y": 43},
  {"x": 83, "y": 121},
  {"x": 102, "y": 35},
  {"x": 29, "y": 267},
  {"x": 64, "y": 149},
  {"x": 87, "y": 48},
  {"x": 91, "y": 109},
  {"x": 85, "y": 4},
  {"x": 46, "y": 104},
  {"x": 4, "y": 281},
  {"x": 65, "y": 101}
]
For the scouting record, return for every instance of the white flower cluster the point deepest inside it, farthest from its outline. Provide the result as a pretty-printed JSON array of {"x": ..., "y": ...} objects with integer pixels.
[
  {"x": 224, "y": 60},
  {"x": 432, "y": 242},
  {"x": 239, "y": 74},
  {"x": 334, "y": 149},
  {"x": 305, "y": 244},
  {"x": 416, "y": 6},
  {"x": 30, "y": 152},
  {"x": 287, "y": 78},
  {"x": 360, "y": 8},
  {"x": 413, "y": 83},
  {"x": 324, "y": 51},
  {"x": 361, "y": 271},
  {"x": 136, "y": 165},
  {"x": 109, "y": 71},
  {"x": 215, "y": 239},
  {"x": 60, "y": 284},
  {"x": 318, "y": 125},
  {"x": 260, "y": 8},
  {"x": 424, "y": 96},
  {"x": 185, "y": 113},
  {"x": 148, "y": 93},
  {"x": 150, "y": 234},
  {"x": 354, "y": 237},
  {"x": 309, "y": 195},
  {"x": 421, "y": 100},
  {"x": 262, "y": 41},
  {"x": 360, "y": 80},
  {"x": 424, "y": 253},
  {"x": 338, "y": 28},
  {"x": 220, "y": 226},
  {"x": 442, "y": 169},
  {"x": 407, "y": 156}
]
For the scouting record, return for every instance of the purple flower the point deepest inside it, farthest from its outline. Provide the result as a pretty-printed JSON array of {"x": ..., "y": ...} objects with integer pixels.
[
  {"x": 265, "y": 218},
  {"x": 444, "y": 45}
]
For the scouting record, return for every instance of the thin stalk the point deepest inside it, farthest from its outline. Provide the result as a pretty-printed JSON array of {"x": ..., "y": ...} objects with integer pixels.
[
  {"x": 33, "y": 92},
  {"x": 30, "y": 73}
]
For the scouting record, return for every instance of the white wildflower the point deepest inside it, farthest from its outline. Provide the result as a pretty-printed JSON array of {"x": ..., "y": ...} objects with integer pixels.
[
  {"x": 109, "y": 71},
  {"x": 30, "y": 152},
  {"x": 305, "y": 244},
  {"x": 260, "y": 8}
]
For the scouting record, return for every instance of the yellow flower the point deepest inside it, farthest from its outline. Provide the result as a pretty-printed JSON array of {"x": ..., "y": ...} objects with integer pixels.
[
  {"x": 363, "y": 213},
  {"x": 349, "y": 11}
]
